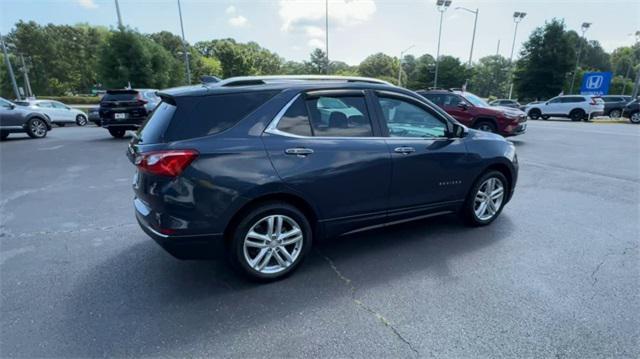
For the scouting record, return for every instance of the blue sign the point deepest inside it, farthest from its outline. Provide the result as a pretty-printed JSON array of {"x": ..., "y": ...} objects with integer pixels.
[{"x": 595, "y": 83}]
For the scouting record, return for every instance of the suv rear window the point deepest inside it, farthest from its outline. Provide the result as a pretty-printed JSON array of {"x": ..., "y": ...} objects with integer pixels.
[
  {"x": 120, "y": 96},
  {"x": 208, "y": 115},
  {"x": 154, "y": 128}
]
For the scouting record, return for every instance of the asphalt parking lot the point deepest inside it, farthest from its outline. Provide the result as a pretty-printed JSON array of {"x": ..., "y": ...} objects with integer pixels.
[{"x": 557, "y": 275}]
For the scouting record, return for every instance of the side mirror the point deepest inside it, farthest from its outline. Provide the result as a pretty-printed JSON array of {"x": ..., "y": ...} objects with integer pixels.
[
  {"x": 458, "y": 131},
  {"x": 463, "y": 106}
]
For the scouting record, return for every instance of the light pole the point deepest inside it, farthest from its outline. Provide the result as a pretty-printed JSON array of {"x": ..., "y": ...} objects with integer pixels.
[
  {"x": 10, "y": 69},
  {"x": 25, "y": 74},
  {"x": 517, "y": 17},
  {"x": 475, "y": 23},
  {"x": 400, "y": 67},
  {"x": 442, "y": 6},
  {"x": 585, "y": 26},
  {"x": 184, "y": 47},
  {"x": 326, "y": 33},
  {"x": 120, "y": 26}
]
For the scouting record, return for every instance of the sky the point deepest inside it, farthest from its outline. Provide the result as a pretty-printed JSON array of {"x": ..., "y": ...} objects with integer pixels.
[{"x": 357, "y": 28}]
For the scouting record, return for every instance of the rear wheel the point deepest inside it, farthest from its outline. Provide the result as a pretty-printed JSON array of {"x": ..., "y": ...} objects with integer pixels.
[
  {"x": 36, "y": 128},
  {"x": 617, "y": 113},
  {"x": 486, "y": 199},
  {"x": 577, "y": 115},
  {"x": 635, "y": 117},
  {"x": 534, "y": 114},
  {"x": 270, "y": 241},
  {"x": 81, "y": 120},
  {"x": 486, "y": 126},
  {"x": 117, "y": 133}
]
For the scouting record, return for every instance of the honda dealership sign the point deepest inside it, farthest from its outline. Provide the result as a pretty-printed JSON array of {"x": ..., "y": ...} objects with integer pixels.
[{"x": 595, "y": 83}]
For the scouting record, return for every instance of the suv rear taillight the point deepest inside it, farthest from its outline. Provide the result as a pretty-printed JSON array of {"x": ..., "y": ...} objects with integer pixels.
[{"x": 165, "y": 163}]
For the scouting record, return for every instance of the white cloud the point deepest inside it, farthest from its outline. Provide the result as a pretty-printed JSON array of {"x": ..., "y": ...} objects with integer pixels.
[
  {"x": 87, "y": 4},
  {"x": 238, "y": 21},
  {"x": 308, "y": 17},
  {"x": 231, "y": 10}
]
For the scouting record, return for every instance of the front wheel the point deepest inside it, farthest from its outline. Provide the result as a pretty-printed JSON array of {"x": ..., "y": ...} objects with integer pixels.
[
  {"x": 635, "y": 117},
  {"x": 36, "y": 128},
  {"x": 615, "y": 113},
  {"x": 270, "y": 241},
  {"x": 486, "y": 199},
  {"x": 534, "y": 114},
  {"x": 81, "y": 120},
  {"x": 117, "y": 133},
  {"x": 486, "y": 126}
]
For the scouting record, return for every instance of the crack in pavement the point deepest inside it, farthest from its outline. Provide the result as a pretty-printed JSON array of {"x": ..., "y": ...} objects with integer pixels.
[
  {"x": 594, "y": 278},
  {"x": 367, "y": 308}
]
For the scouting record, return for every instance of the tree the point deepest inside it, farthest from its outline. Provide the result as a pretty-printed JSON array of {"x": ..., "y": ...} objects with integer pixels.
[
  {"x": 592, "y": 55},
  {"x": 317, "y": 63},
  {"x": 420, "y": 75},
  {"x": 451, "y": 72},
  {"x": 546, "y": 59},
  {"x": 379, "y": 66},
  {"x": 490, "y": 77},
  {"x": 239, "y": 59}
]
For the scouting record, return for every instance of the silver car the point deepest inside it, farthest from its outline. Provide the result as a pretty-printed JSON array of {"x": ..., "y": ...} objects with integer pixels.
[{"x": 59, "y": 113}]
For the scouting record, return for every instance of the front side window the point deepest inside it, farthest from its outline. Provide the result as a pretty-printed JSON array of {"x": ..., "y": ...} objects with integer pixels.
[
  {"x": 556, "y": 100},
  {"x": 405, "y": 119},
  {"x": 58, "y": 105},
  {"x": 4, "y": 103},
  {"x": 339, "y": 116},
  {"x": 44, "y": 104},
  {"x": 452, "y": 100}
]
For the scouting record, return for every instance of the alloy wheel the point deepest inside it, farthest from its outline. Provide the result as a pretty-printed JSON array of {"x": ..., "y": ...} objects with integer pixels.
[
  {"x": 485, "y": 127},
  {"x": 635, "y": 118},
  {"x": 38, "y": 128},
  {"x": 615, "y": 114},
  {"x": 488, "y": 199},
  {"x": 273, "y": 244}
]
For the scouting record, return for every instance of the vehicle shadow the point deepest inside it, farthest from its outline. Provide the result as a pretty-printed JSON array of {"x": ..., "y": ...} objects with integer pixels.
[
  {"x": 14, "y": 137},
  {"x": 143, "y": 302}
]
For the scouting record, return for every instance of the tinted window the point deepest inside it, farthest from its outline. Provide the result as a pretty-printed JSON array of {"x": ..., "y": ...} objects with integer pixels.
[
  {"x": 59, "y": 105},
  {"x": 296, "y": 120},
  {"x": 556, "y": 100},
  {"x": 405, "y": 119},
  {"x": 343, "y": 116},
  {"x": 44, "y": 104},
  {"x": 5, "y": 103},
  {"x": 612, "y": 99},
  {"x": 572, "y": 99},
  {"x": 208, "y": 115},
  {"x": 435, "y": 98},
  {"x": 154, "y": 128},
  {"x": 126, "y": 96}
]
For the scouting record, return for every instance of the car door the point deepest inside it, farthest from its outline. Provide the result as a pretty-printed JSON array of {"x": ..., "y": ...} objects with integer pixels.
[
  {"x": 553, "y": 107},
  {"x": 333, "y": 156},
  {"x": 64, "y": 112},
  {"x": 459, "y": 108},
  {"x": 9, "y": 115},
  {"x": 429, "y": 171},
  {"x": 47, "y": 108}
]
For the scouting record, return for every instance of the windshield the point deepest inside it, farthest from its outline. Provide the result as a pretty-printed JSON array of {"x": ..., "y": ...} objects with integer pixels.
[{"x": 475, "y": 100}]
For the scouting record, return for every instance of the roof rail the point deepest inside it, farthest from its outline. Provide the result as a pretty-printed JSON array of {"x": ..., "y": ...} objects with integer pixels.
[{"x": 261, "y": 80}]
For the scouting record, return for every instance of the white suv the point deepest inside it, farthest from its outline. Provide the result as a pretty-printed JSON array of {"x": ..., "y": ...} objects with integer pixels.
[{"x": 575, "y": 107}]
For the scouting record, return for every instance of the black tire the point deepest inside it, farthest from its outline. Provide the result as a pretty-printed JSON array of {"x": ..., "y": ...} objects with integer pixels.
[
  {"x": 117, "y": 133},
  {"x": 81, "y": 120},
  {"x": 468, "y": 210},
  {"x": 60, "y": 124},
  {"x": 252, "y": 217},
  {"x": 577, "y": 115},
  {"x": 635, "y": 117},
  {"x": 4, "y": 135},
  {"x": 486, "y": 126},
  {"x": 546, "y": 117},
  {"x": 534, "y": 114},
  {"x": 37, "y": 128},
  {"x": 615, "y": 113}
]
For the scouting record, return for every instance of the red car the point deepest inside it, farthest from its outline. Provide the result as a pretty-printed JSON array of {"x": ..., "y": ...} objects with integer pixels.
[{"x": 474, "y": 112}]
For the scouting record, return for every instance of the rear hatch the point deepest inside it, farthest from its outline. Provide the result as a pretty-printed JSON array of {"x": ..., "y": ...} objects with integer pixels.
[{"x": 122, "y": 106}]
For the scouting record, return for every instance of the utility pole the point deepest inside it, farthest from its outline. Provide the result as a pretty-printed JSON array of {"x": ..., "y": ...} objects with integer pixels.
[
  {"x": 326, "y": 33},
  {"x": 25, "y": 74},
  {"x": 184, "y": 47},
  {"x": 636, "y": 86},
  {"x": 498, "y": 48},
  {"x": 10, "y": 69},
  {"x": 585, "y": 26},
  {"x": 400, "y": 67},
  {"x": 475, "y": 24},
  {"x": 442, "y": 5},
  {"x": 120, "y": 26},
  {"x": 517, "y": 17}
]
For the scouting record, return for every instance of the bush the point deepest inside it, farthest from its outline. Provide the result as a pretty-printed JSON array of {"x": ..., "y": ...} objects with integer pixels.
[{"x": 73, "y": 100}]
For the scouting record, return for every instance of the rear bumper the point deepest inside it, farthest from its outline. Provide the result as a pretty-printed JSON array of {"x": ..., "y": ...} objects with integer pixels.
[{"x": 201, "y": 246}]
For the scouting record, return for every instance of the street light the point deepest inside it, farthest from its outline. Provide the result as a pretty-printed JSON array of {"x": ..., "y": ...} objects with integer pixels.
[
  {"x": 585, "y": 26},
  {"x": 10, "y": 69},
  {"x": 475, "y": 23},
  {"x": 120, "y": 26},
  {"x": 517, "y": 17},
  {"x": 184, "y": 46},
  {"x": 401, "y": 57},
  {"x": 442, "y": 6}
]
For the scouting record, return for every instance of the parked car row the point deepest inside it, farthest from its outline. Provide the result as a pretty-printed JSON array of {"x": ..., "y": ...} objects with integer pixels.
[{"x": 59, "y": 113}]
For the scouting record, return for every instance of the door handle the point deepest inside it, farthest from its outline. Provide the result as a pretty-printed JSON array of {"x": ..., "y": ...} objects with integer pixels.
[
  {"x": 300, "y": 152},
  {"x": 404, "y": 150}
]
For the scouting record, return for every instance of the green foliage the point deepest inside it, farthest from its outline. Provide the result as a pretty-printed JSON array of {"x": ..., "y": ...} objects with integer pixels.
[
  {"x": 420, "y": 72},
  {"x": 317, "y": 63},
  {"x": 546, "y": 59},
  {"x": 379, "y": 65},
  {"x": 490, "y": 77},
  {"x": 238, "y": 59},
  {"x": 451, "y": 72}
]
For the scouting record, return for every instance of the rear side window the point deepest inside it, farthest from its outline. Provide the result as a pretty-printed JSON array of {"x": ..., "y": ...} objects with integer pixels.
[
  {"x": 296, "y": 120},
  {"x": 208, "y": 115},
  {"x": 341, "y": 116},
  {"x": 156, "y": 125},
  {"x": 125, "y": 96},
  {"x": 573, "y": 99}
]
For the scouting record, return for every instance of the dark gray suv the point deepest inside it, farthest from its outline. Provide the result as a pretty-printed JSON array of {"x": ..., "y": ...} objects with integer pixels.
[{"x": 22, "y": 119}]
